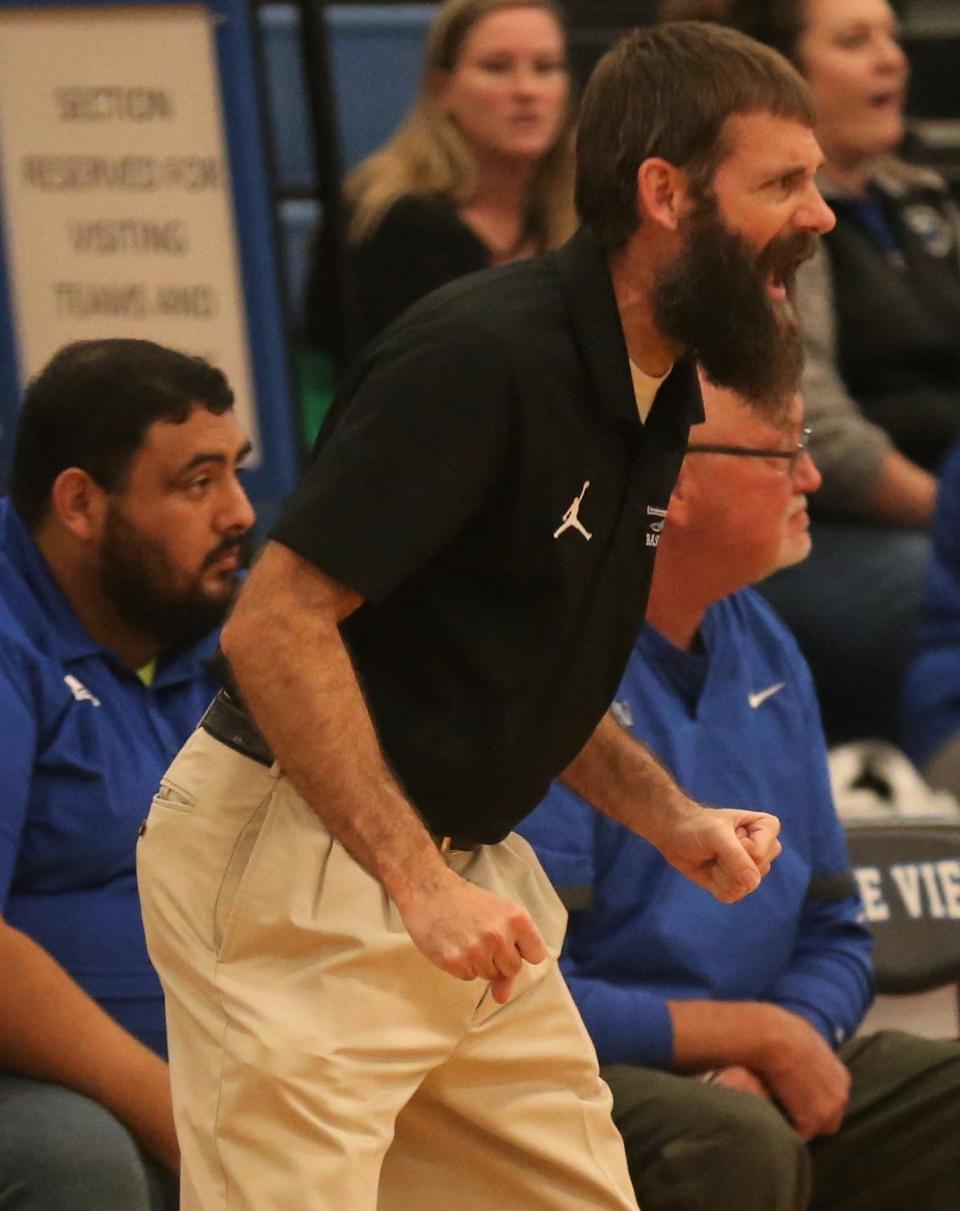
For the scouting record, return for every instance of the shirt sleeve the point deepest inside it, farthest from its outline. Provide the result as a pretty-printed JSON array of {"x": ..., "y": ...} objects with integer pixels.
[
  {"x": 848, "y": 449},
  {"x": 409, "y": 460},
  {"x": 628, "y": 1024},
  {"x": 419, "y": 245},
  {"x": 17, "y": 754},
  {"x": 829, "y": 978}
]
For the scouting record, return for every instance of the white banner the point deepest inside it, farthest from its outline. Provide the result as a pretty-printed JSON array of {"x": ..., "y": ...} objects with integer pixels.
[{"x": 116, "y": 187}]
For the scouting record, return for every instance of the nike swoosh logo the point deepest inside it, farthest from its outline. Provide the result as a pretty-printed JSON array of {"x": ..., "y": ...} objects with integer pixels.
[
  {"x": 760, "y": 697},
  {"x": 623, "y": 713}
]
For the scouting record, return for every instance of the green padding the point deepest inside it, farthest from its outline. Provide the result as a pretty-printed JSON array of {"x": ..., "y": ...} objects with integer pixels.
[{"x": 316, "y": 378}]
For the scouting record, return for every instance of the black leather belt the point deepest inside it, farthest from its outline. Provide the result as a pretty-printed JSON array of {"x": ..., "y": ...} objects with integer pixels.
[{"x": 227, "y": 721}]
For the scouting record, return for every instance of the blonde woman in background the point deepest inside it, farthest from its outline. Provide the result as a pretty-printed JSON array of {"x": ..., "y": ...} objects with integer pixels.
[{"x": 479, "y": 174}]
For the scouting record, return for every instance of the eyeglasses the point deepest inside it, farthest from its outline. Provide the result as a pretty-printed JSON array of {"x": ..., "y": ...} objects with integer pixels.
[{"x": 791, "y": 457}]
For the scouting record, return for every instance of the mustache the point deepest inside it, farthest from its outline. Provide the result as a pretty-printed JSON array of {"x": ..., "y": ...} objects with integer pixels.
[
  {"x": 242, "y": 544},
  {"x": 787, "y": 252}
]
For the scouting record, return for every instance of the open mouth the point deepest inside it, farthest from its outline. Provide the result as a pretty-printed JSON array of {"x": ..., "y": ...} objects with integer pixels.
[
  {"x": 776, "y": 285},
  {"x": 892, "y": 100},
  {"x": 781, "y": 259},
  {"x": 779, "y": 281}
]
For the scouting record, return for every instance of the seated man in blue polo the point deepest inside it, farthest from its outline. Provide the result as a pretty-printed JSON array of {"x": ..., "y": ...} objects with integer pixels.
[
  {"x": 119, "y": 553},
  {"x": 726, "y": 1033}
]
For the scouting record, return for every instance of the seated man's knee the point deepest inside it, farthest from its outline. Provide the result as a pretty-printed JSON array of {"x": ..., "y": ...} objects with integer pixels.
[
  {"x": 60, "y": 1149},
  {"x": 693, "y": 1144},
  {"x": 770, "y": 1155}
]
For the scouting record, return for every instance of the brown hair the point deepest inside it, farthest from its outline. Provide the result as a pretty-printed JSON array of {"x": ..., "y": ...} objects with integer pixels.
[
  {"x": 693, "y": 10},
  {"x": 427, "y": 155},
  {"x": 777, "y": 23},
  {"x": 667, "y": 91}
]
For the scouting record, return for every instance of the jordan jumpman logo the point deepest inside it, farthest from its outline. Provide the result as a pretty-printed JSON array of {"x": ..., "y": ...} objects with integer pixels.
[{"x": 571, "y": 519}]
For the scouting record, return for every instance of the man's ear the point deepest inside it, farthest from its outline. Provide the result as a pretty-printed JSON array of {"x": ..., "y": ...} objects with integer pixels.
[
  {"x": 662, "y": 193},
  {"x": 79, "y": 503}
]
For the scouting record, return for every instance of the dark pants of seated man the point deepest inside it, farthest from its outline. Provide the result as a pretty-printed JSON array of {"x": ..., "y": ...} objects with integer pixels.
[
  {"x": 691, "y": 1144},
  {"x": 60, "y": 1151}
]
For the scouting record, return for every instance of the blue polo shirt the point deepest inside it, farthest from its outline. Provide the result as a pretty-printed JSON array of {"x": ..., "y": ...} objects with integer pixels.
[
  {"x": 736, "y": 724},
  {"x": 83, "y": 744}
]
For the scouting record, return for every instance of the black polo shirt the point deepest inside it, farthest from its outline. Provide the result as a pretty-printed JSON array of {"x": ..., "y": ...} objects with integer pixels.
[{"x": 484, "y": 481}]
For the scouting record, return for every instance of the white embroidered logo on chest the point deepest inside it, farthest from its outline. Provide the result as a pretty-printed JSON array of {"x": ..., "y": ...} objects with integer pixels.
[
  {"x": 79, "y": 690},
  {"x": 622, "y": 711},
  {"x": 655, "y": 527},
  {"x": 759, "y": 697},
  {"x": 571, "y": 519}
]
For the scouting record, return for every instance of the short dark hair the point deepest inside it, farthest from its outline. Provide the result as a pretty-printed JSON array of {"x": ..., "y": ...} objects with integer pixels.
[
  {"x": 667, "y": 90},
  {"x": 777, "y": 23},
  {"x": 693, "y": 10},
  {"x": 91, "y": 407}
]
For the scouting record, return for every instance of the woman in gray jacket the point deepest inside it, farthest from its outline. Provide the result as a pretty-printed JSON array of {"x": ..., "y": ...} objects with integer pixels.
[{"x": 880, "y": 306}]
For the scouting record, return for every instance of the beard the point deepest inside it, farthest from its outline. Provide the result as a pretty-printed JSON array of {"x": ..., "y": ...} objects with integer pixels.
[
  {"x": 135, "y": 576},
  {"x": 713, "y": 300}
]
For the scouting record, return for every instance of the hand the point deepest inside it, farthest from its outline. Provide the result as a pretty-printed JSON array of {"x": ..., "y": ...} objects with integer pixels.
[
  {"x": 725, "y": 850},
  {"x": 742, "y": 1080},
  {"x": 807, "y": 1079},
  {"x": 472, "y": 933}
]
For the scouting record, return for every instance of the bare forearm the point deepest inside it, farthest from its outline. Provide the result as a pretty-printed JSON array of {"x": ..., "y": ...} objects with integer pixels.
[
  {"x": 715, "y": 1034},
  {"x": 725, "y": 850},
  {"x": 623, "y": 779},
  {"x": 284, "y": 646},
  {"x": 51, "y": 1030},
  {"x": 903, "y": 495},
  {"x": 780, "y": 1048}
]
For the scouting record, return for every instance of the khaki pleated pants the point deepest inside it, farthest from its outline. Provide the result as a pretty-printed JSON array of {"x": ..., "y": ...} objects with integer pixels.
[{"x": 319, "y": 1061}]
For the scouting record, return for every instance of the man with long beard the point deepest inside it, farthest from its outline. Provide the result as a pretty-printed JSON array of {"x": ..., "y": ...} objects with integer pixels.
[
  {"x": 353, "y": 945},
  {"x": 119, "y": 554}
]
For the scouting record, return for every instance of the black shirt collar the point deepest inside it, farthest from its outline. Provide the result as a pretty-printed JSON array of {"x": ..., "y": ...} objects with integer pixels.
[{"x": 588, "y": 290}]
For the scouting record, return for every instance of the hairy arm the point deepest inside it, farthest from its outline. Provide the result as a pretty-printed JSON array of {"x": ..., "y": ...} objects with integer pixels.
[
  {"x": 284, "y": 646},
  {"x": 51, "y": 1030},
  {"x": 725, "y": 850}
]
